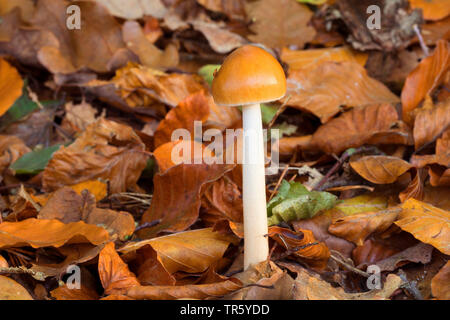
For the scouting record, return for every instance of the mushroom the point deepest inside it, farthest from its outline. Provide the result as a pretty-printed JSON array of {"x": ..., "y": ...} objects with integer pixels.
[{"x": 250, "y": 76}]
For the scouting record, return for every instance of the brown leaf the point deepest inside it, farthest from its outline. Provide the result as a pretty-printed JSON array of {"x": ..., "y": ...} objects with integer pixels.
[
  {"x": 316, "y": 253},
  {"x": 358, "y": 227},
  {"x": 322, "y": 89},
  {"x": 11, "y": 290},
  {"x": 65, "y": 293},
  {"x": 311, "y": 287},
  {"x": 420, "y": 253},
  {"x": 79, "y": 116},
  {"x": 178, "y": 214},
  {"x": 106, "y": 150},
  {"x": 10, "y": 86},
  {"x": 190, "y": 251},
  {"x": 360, "y": 126},
  {"x": 415, "y": 187},
  {"x": 233, "y": 9},
  {"x": 280, "y": 23},
  {"x": 134, "y": 9},
  {"x": 149, "y": 55},
  {"x": 77, "y": 50},
  {"x": 301, "y": 59},
  {"x": 425, "y": 78},
  {"x": 426, "y": 223},
  {"x": 11, "y": 149},
  {"x": 430, "y": 123},
  {"x": 380, "y": 169},
  {"x": 439, "y": 284},
  {"x": 26, "y": 7},
  {"x": 114, "y": 274},
  {"x": 3, "y": 263},
  {"x": 49, "y": 233},
  {"x": 150, "y": 270}
]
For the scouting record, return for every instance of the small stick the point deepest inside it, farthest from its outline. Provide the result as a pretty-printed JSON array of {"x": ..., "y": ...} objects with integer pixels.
[
  {"x": 147, "y": 225},
  {"x": 279, "y": 111},
  {"x": 424, "y": 47},
  {"x": 349, "y": 267}
]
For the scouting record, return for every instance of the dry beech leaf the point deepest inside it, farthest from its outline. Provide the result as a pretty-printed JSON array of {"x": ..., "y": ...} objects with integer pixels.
[
  {"x": 49, "y": 233},
  {"x": 200, "y": 291},
  {"x": 3, "y": 263},
  {"x": 134, "y": 9},
  {"x": 432, "y": 9},
  {"x": 439, "y": 284},
  {"x": 68, "y": 206},
  {"x": 190, "y": 251},
  {"x": 280, "y": 23},
  {"x": 322, "y": 89},
  {"x": 66, "y": 293},
  {"x": 78, "y": 50},
  {"x": 114, "y": 274},
  {"x": 178, "y": 214},
  {"x": 149, "y": 55},
  {"x": 427, "y": 223},
  {"x": 316, "y": 254},
  {"x": 430, "y": 123},
  {"x": 79, "y": 116},
  {"x": 98, "y": 188},
  {"x": 150, "y": 270},
  {"x": 106, "y": 150},
  {"x": 358, "y": 227},
  {"x": 311, "y": 287},
  {"x": 11, "y": 149},
  {"x": 10, "y": 86},
  {"x": 425, "y": 78},
  {"x": 233, "y": 8},
  {"x": 299, "y": 59},
  {"x": 11, "y": 290},
  {"x": 419, "y": 253},
  {"x": 415, "y": 188},
  {"x": 380, "y": 169},
  {"x": 375, "y": 124}
]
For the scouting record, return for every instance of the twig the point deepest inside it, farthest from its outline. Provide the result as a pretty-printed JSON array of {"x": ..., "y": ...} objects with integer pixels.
[
  {"x": 35, "y": 274},
  {"x": 147, "y": 225},
  {"x": 279, "y": 111},
  {"x": 349, "y": 267},
  {"x": 424, "y": 47}
]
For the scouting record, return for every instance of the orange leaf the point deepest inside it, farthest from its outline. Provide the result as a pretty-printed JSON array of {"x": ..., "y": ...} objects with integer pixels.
[
  {"x": 380, "y": 169},
  {"x": 415, "y": 187},
  {"x": 375, "y": 124},
  {"x": 65, "y": 293},
  {"x": 11, "y": 149},
  {"x": 432, "y": 9},
  {"x": 425, "y": 78},
  {"x": 299, "y": 59},
  {"x": 11, "y": 290},
  {"x": 358, "y": 227},
  {"x": 49, "y": 233},
  {"x": 439, "y": 284},
  {"x": 10, "y": 86},
  {"x": 316, "y": 254},
  {"x": 427, "y": 223},
  {"x": 176, "y": 213},
  {"x": 430, "y": 123},
  {"x": 322, "y": 89},
  {"x": 114, "y": 274}
]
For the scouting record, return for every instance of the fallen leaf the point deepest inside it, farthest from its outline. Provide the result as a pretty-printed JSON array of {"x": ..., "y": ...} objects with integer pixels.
[
  {"x": 49, "y": 233},
  {"x": 430, "y": 123},
  {"x": 233, "y": 9},
  {"x": 415, "y": 188},
  {"x": 439, "y": 284},
  {"x": 420, "y": 253},
  {"x": 11, "y": 149},
  {"x": 66, "y": 293},
  {"x": 114, "y": 274},
  {"x": 134, "y": 9},
  {"x": 314, "y": 253},
  {"x": 26, "y": 7},
  {"x": 311, "y": 287},
  {"x": 432, "y": 9},
  {"x": 3, "y": 263},
  {"x": 425, "y": 78},
  {"x": 177, "y": 215},
  {"x": 96, "y": 187},
  {"x": 11, "y": 290},
  {"x": 278, "y": 24},
  {"x": 425, "y": 222},
  {"x": 190, "y": 251},
  {"x": 380, "y": 169},
  {"x": 79, "y": 116},
  {"x": 322, "y": 89},
  {"x": 106, "y": 150},
  {"x": 10, "y": 86},
  {"x": 356, "y": 228},
  {"x": 300, "y": 59},
  {"x": 375, "y": 124}
]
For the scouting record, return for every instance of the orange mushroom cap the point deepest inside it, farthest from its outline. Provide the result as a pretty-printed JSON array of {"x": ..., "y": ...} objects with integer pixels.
[{"x": 248, "y": 75}]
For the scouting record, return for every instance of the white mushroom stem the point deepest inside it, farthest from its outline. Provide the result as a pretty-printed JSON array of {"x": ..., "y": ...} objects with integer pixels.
[{"x": 256, "y": 247}]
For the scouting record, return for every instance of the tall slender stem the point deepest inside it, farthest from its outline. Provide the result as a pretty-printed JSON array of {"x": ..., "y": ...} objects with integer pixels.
[{"x": 256, "y": 247}]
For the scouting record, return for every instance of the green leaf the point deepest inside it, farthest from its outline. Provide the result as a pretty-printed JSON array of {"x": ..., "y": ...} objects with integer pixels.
[
  {"x": 295, "y": 202},
  {"x": 268, "y": 112},
  {"x": 22, "y": 107},
  {"x": 34, "y": 161},
  {"x": 207, "y": 72}
]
